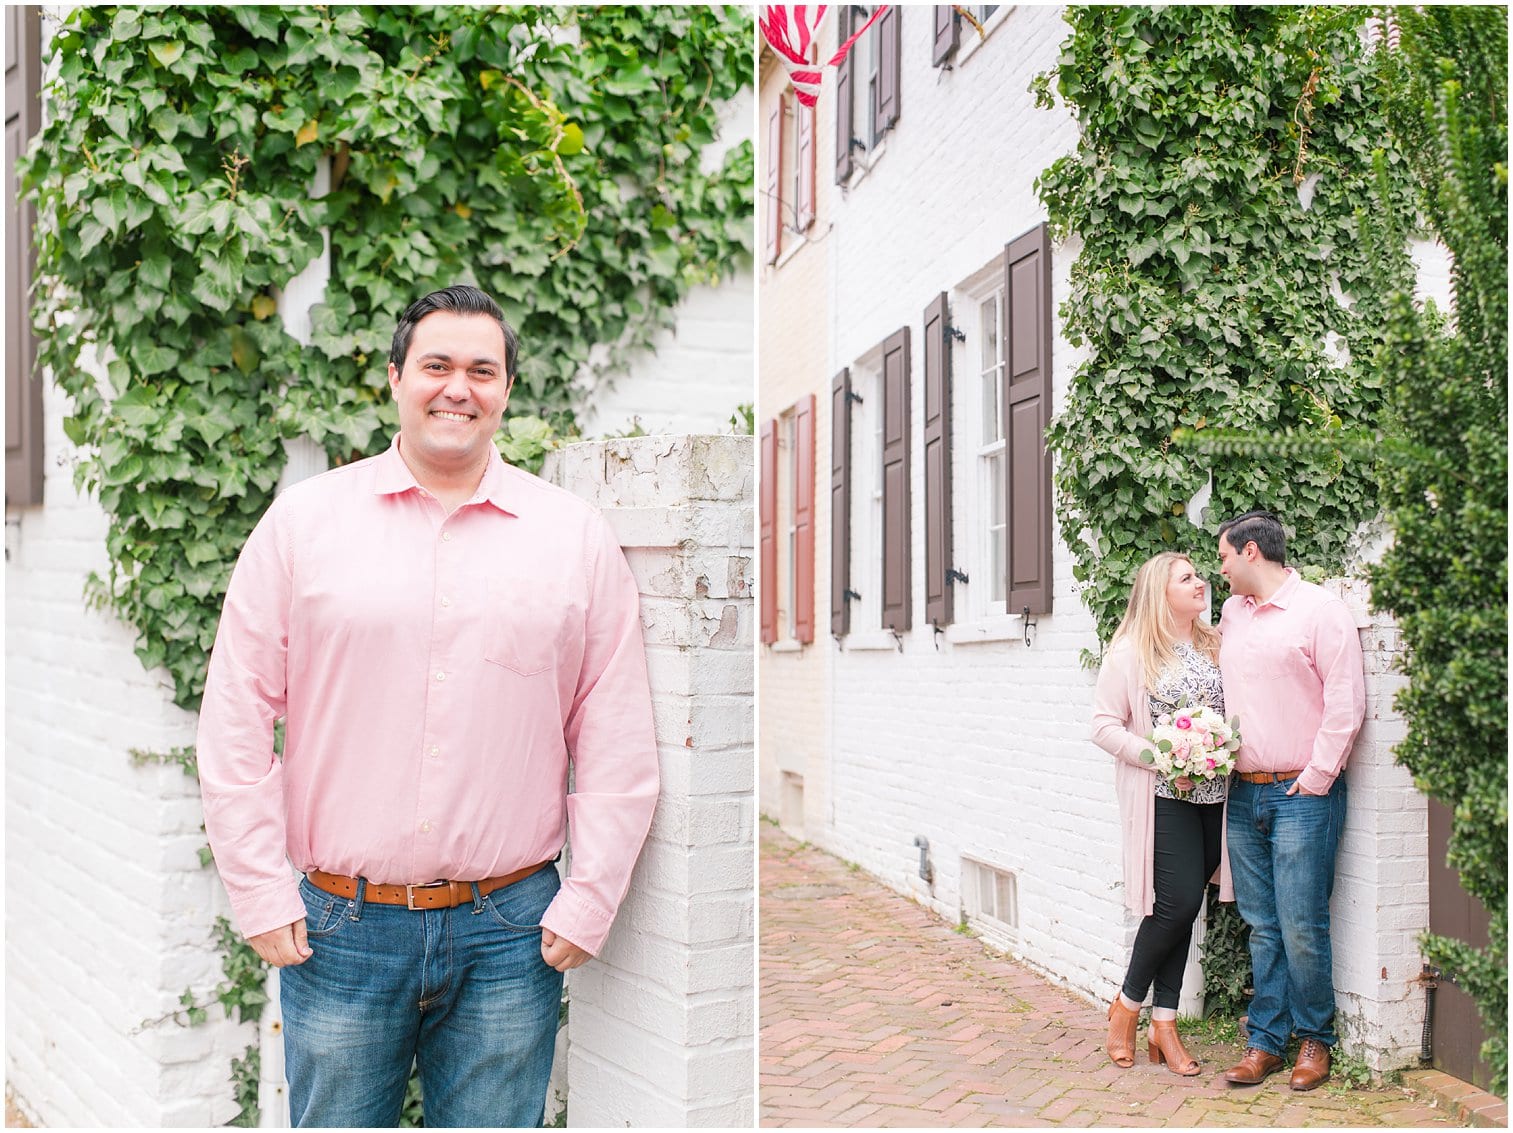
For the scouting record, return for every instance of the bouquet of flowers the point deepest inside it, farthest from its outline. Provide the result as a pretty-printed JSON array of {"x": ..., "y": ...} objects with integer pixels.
[{"x": 1193, "y": 743}]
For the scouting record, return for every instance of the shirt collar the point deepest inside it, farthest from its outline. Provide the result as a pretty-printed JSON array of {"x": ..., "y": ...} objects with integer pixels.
[
  {"x": 392, "y": 476},
  {"x": 1283, "y": 596}
]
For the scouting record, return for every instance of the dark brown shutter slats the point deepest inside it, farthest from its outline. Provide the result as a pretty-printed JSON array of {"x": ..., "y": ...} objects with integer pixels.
[
  {"x": 803, "y": 519},
  {"x": 806, "y": 169},
  {"x": 845, "y": 80},
  {"x": 896, "y": 547},
  {"x": 1027, "y": 407},
  {"x": 937, "y": 431},
  {"x": 773, "y": 237},
  {"x": 946, "y": 33},
  {"x": 889, "y": 62},
  {"x": 23, "y": 386},
  {"x": 768, "y": 504},
  {"x": 840, "y": 503}
]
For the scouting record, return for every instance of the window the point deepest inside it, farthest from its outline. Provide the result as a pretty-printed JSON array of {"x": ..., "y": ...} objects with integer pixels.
[
  {"x": 788, "y": 447},
  {"x": 787, "y": 524},
  {"x": 988, "y": 537},
  {"x": 866, "y": 488},
  {"x": 866, "y": 85},
  {"x": 990, "y": 900}
]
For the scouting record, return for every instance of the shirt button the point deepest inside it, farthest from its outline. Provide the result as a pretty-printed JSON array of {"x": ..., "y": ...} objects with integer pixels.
[
  {"x": 446, "y": 536},
  {"x": 425, "y": 827},
  {"x": 435, "y": 751},
  {"x": 446, "y": 602},
  {"x": 441, "y": 676}
]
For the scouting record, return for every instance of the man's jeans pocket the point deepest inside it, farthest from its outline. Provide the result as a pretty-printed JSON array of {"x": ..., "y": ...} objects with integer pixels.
[
  {"x": 520, "y": 907},
  {"x": 325, "y": 913}
]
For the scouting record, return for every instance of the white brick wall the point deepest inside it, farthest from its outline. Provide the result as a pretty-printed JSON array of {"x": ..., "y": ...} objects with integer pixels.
[
  {"x": 86, "y": 971},
  {"x": 975, "y": 741},
  {"x": 660, "y": 1025}
]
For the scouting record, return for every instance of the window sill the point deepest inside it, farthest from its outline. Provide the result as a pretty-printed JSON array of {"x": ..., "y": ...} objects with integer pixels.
[
  {"x": 787, "y": 645},
  {"x": 873, "y": 641},
  {"x": 974, "y": 41},
  {"x": 798, "y": 240},
  {"x": 863, "y": 163},
  {"x": 997, "y": 627}
]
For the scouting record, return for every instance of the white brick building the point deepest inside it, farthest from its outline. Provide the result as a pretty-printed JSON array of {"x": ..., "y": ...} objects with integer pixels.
[{"x": 963, "y": 753}]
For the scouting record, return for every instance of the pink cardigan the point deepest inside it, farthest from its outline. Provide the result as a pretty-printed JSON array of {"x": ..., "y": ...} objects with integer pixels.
[{"x": 1121, "y": 721}]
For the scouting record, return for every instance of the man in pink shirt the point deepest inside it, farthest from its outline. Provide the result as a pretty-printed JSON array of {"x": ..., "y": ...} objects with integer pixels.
[
  {"x": 442, "y": 635},
  {"x": 1291, "y": 662}
]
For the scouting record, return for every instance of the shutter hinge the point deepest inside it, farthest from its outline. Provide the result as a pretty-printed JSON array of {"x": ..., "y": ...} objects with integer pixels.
[
  {"x": 848, "y": 595},
  {"x": 954, "y": 332},
  {"x": 852, "y": 395},
  {"x": 954, "y": 576}
]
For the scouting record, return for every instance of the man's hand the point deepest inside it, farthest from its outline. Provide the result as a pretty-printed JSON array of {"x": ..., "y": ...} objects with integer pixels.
[
  {"x": 283, "y": 947},
  {"x": 561, "y": 953},
  {"x": 1297, "y": 788}
]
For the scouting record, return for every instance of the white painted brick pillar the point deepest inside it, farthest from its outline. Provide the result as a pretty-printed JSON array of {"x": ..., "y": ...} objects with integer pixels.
[
  {"x": 660, "y": 1026},
  {"x": 1381, "y": 889}
]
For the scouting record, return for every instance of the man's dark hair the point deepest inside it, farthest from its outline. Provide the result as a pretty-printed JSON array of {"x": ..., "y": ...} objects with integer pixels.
[
  {"x": 459, "y": 299},
  {"x": 1258, "y": 527}
]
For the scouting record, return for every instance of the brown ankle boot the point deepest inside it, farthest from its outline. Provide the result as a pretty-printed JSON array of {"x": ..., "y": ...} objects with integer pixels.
[
  {"x": 1166, "y": 1047},
  {"x": 1121, "y": 1033}
]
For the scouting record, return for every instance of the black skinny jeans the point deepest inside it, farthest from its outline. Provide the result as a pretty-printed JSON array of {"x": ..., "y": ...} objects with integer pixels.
[{"x": 1186, "y": 855}]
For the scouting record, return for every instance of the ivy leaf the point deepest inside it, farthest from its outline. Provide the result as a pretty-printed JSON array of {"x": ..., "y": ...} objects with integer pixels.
[
  {"x": 167, "y": 53},
  {"x": 244, "y": 352},
  {"x": 263, "y": 307},
  {"x": 307, "y": 133},
  {"x": 572, "y": 140}
]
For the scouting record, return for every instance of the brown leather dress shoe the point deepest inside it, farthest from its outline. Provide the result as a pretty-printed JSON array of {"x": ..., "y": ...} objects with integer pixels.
[
  {"x": 1254, "y": 1068},
  {"x": 1312, "y": 1067}
]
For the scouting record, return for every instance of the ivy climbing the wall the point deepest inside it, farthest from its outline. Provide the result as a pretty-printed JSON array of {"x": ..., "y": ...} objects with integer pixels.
[
  {"x": 1221, "y": 281},
  {"x": 550, "y": 155}
]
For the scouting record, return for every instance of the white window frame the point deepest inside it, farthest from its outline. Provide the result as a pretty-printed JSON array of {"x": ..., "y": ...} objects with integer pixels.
[
  {"x": 979, "y": 618},
  {"x": 867, "y": 506},
  {"x": 970, "y": 41}
]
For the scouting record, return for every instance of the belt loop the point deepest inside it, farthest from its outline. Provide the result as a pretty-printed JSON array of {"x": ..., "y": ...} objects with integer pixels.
[
  {"x": 477, "y": 898},
  {"x": 357, "y": 902}
]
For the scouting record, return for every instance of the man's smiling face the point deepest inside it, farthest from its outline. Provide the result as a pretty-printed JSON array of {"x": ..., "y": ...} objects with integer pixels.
[{"x": 452, "y": 392}]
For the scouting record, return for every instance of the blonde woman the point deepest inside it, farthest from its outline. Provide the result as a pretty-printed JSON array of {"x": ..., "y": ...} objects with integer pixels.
[{"x": 1173, "y": 832}]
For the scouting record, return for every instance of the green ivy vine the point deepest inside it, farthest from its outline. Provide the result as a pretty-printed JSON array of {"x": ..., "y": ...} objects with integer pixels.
[
  {"x": 551, "y": 155},
  {"x": 1204, "y": 291},
  {"x": 1445, "y": 578}
]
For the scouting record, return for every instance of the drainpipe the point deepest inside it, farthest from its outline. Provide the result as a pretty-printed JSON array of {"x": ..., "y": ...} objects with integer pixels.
[
  {"x": 926, "y": 870},
  {"x": 1429, "y": 977}
]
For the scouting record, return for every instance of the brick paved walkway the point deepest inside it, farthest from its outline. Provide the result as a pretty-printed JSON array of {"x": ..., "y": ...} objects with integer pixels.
[{"x": 875, "y": 1013}]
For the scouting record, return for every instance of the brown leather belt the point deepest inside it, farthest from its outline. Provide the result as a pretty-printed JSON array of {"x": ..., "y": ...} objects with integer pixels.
[
  {"x": 435, "y": 895},
  {"x": 1268, "y": 776}
]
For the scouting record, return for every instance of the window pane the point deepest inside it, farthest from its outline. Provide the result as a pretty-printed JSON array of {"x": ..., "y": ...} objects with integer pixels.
[{"x": 997, "y": 529}]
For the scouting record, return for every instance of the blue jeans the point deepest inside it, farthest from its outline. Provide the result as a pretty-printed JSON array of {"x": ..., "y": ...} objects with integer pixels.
[
  {"x": 1281, "y": 854},
  {"x": 462, "y": 993}
]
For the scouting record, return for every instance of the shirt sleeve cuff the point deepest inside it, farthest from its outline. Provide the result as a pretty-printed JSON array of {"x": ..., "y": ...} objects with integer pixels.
[
  {"x": 1314, "y": 781},
  {"x": 572, "y": 916},
  {"x": 270, "y": 907}
]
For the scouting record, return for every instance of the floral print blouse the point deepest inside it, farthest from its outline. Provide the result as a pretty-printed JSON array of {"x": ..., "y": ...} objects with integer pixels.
[{"x": 1194, "y": 676}]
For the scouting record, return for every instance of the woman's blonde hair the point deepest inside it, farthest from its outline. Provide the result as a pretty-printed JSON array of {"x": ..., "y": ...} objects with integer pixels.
[{"x": 1148, "y": 621}]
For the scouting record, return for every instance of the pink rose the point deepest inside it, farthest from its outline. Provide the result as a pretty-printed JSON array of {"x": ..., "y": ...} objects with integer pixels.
[{"x": 1184, "y": 722}]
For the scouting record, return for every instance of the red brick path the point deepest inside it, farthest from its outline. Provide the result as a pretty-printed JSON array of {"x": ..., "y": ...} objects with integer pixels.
[{"x": 875, "y": 1013}]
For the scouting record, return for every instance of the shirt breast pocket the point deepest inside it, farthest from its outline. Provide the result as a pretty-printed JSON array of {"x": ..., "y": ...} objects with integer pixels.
[{"x": 524, "y": 628}]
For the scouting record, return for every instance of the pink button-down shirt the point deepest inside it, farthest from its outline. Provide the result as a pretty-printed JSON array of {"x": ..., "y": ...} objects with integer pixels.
[
  {"x": 1293, "y": 675},
  {"x": 436, "y": 673}
]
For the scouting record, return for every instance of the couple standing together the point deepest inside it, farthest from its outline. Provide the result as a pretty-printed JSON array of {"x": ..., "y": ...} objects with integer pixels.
[{"x": 1286, "y": 661}]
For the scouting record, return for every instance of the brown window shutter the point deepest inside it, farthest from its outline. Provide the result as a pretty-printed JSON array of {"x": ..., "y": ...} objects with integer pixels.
[
  {"x": 806, "y": 169},
  {"x": 845, "y": 82},
  {"x": 803, "y": 519},
  {"x": 938, "y": 589},
  {"x": 840, "y": 504},
  {"x": 1026, "y": 413},
  {"x": 774, "y": 235},
  {"x": 889, "y": 61},
  {"x": 896, "y": 547},
  {"x": 947, "y": 32},
  {"x": 23, "y": 385},
  {"x": 769, "y": 548}
]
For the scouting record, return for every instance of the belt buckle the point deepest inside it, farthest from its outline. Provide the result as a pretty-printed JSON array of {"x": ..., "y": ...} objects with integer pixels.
[{"x": 410, "y": 893}]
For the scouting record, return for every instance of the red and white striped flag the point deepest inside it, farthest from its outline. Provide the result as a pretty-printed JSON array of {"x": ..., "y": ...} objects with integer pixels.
[{"x": 791, "y": 29}]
